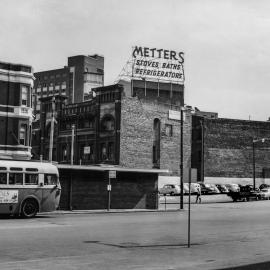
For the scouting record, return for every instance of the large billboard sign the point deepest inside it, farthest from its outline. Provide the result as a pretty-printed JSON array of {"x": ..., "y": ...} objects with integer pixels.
[{"x": 158, "y": 64}]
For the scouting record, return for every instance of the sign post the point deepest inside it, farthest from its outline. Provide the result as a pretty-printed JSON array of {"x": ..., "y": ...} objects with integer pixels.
[
  {"x": 192, "y": 178},
  {"x": 111, "y": 174}
]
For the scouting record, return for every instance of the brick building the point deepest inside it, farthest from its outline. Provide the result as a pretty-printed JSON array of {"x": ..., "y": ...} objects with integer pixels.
[
  {"x": 16, "y": 82},
  {"x": 94, "y": 127},
  {"x": 222, "y": 150}
]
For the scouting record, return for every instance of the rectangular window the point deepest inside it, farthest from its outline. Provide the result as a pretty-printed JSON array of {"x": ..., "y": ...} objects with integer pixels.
[
  {"x": 50, "y": 179},
  {"x": 168, "y": 130},
  {"x": 31, "y": 179},
  {"x": 3, "y": 178},
  {"x": 111, "y": 151},
  {"x": 15, "y": 179},
  {"x": 63, "y": 85},
  {"x": 23, "y": 134},
  {"x": 24, "y": 97}
]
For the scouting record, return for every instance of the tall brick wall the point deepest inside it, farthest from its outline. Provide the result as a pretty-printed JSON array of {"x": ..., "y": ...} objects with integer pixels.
[
  {"x": 228, "y": 148},
  {"x": 137, "y": 135}
]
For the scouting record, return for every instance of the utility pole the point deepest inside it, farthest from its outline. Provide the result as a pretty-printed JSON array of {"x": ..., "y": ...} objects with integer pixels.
[
  {"x": 72, "y": 144},
  {"x": 52, "y": 131},
  {"x": 253, "y": 155},
  {"x": 181, "y": 160}
]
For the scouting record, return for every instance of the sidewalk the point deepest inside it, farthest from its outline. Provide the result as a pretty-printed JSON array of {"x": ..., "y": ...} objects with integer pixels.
[{"x": 105, "y": 211}]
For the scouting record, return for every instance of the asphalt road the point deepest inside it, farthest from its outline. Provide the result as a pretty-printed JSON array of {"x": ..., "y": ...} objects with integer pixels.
[{"x": 223, "y": 235}]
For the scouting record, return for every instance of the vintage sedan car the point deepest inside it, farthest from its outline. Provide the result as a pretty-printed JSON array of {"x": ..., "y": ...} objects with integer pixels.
[
  {"x": 233, "y": 187},
  {"x": 245, "y": 193},
  {"x": 170, "y": 189},
  {"x": 222, "y": 188},
  {"x": 263, "y": 186},
  {"x": 207, "y": 188},
  {"x": 264, "y": 194}
]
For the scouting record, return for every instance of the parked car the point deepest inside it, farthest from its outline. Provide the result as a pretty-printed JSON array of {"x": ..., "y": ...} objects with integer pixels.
[
  {"x": 194, "y": 187},
  {"x": 170, "y": 189},
  {"x": 264, "y": 194},
  {"x": 215, "y": 188},
  {"x": 233, "y": 187},
  {"x": 186, "y": 188},
  {"x": 222, "y": 188},
  {"x": 263, "y": 186},
  {"x": 207, "y": 188},
  {"x": 245, "y": 193}
]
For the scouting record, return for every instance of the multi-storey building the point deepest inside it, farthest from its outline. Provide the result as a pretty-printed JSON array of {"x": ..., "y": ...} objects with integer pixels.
[
  {"x": 73, "y": 81},
  {"x": 16, "y": 82},
  {"x": 133, "y": 125}
]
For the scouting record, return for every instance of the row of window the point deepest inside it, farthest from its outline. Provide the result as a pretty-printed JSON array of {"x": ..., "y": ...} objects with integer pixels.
[
  {"x": 56, "y": 85},
  {"x": 46, "y": 77},
  {"x": 107, "y": 124},
  {"x": 15, "y": 178},
  {"x": 87, "y": 152}
]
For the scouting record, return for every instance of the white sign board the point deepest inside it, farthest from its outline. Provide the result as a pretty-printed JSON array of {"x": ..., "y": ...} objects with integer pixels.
[
  {"x": 158, "y": 64},
  {"x": 86, "y": 150},
  {"x": 176, "y": 115},
  {"x": 112, "y": 174},
  {"x": 8, "y": 196}
]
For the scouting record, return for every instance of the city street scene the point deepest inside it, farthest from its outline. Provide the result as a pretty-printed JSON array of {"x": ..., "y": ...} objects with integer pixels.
[{"x": 134, "y": 134}]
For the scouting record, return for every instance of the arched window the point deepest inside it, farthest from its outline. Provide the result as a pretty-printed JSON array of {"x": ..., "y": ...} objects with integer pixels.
[{"x": 107, "y": 123}]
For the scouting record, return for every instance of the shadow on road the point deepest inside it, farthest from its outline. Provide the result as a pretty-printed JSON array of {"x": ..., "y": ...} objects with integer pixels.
[{"x": 255, "y": 266}]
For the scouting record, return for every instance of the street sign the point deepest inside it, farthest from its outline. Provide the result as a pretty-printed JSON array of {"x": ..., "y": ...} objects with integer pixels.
[
  {"x": 109, "y": 187},
  {"x": 86, "y": 150},
  {"x": 112, "y": 174}
]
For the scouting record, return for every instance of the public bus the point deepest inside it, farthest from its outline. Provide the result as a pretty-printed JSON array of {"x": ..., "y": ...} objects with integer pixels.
[{"x": 28, "y": 187}]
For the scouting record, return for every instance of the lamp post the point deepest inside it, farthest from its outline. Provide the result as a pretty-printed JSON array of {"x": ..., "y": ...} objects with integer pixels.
[
  {"x": 253, "y": 158},
  {"x": 253, "y": 162},
  {"x": 181, "y": 160}
]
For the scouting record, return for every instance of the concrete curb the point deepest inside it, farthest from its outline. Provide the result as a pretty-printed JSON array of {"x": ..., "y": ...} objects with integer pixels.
[{"x": 113, "y": 211}]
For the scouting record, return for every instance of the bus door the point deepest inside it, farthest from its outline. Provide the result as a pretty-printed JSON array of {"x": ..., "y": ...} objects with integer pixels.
[{"x": 51, "y": 192}]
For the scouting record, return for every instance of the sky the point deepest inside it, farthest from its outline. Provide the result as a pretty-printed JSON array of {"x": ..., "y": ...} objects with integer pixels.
[{"x": 226, "y": 43}]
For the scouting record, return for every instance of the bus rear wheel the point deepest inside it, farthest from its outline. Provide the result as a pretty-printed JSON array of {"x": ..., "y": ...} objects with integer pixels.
[{"x": 29, "y": 208}]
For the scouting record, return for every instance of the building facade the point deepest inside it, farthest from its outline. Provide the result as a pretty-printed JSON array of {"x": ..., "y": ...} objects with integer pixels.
[
  {"x": 73, "y": 81},
  {"x": 89, "y": 132},
  {"x": 222, "y": 150},
  {"x": 134, "y": 125},
  {"x": 16, "y": 82}
]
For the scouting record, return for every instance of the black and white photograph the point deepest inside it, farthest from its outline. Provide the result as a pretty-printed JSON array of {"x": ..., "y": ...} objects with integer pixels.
[{"x": 134, "y": 135}]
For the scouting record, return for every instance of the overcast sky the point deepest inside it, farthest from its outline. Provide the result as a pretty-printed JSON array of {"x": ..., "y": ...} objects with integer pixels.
[{"x": 226, "y": 43}]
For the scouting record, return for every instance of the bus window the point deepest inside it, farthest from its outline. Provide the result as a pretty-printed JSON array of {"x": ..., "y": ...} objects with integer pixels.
[
  {"x": 31, "y": 179},
  {"x": 3, "y": 178},
  {"x": 50, "y": 179},
  {"x": 15, "y": 178}
]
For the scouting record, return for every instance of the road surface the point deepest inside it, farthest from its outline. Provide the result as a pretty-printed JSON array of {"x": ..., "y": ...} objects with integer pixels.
[{"x": 222, "y": 235}]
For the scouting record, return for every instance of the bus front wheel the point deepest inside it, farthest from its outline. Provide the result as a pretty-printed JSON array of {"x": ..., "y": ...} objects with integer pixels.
[{"x": 29, "y": 208}]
